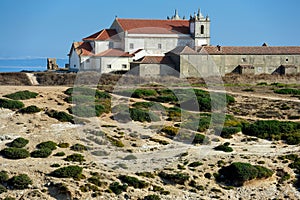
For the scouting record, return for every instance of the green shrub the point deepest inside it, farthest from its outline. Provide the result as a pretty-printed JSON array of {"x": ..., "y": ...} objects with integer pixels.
[
  {"x": 223, "y": 147},
  {"x": 60, "y": 116},
  {"x": 143, "y": 105},
  {"x": 11, "y": 104},
  {"x": 87, "y": 92},
  {"x": 145, "y": 174},
  {"x": 55, "y": 165},
  {"x": 141, "y": 93},
  {"x": 170, "y": 131},
  {"x": 60, "y": 154},
  {"x": 207, "y": 175},
  {"x": 47, "y": 145},
  {"x": 88, "y": 187},
  {"x": 63, "y": 145},
  {"x": 3, "y": 176},
  {"x": 291, "y": 91},
  {"x": 75, "y": 158},
  {"x": 132, "y": 181},
  {"x": 88, "y": 110},
  {"x": 19, "y": 142},
  {"x": 142, "y": 115},
  {"x": 78, "y": 147},
  {"x": 115, "y": 142},
  {"x": 195, "y": 164},
  {"x": 152, "y": 197},
  {"x": 29, "y": 110},
  {"x": 178, "y": 178},
  {"x": 130, "y": 157},
  {"x": 272, "y": 129},
  {"x": 80, "y": 99},
  {"x": 20, "y": 182},
  {"x": 9, "y": 198},
  {"x": 198, "y": 139},
  {"x": 96, "y": 181},
  {"x": 2, "y": 189},
  {"x": 41, "y": 153},
  {"x": 227, "y": 132},
  {"x": 116, "y": 188},
  {"x": 22, "y": 95},
  {"x": 15, "y": 153},
  {"x": 67, "y": 172},
  {"x": 248, "y": 90},
  {"x": 237, "y": 173}
]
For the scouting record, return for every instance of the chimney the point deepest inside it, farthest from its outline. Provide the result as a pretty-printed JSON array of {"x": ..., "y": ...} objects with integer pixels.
[{"x": 219, "y": 47}]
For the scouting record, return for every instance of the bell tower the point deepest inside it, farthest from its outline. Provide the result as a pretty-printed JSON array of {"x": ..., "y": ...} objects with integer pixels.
[{"x": 200, "y": 29}]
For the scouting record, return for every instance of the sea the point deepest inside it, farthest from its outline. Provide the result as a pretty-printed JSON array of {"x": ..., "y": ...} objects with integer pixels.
[{"x": 27, "y": 64}]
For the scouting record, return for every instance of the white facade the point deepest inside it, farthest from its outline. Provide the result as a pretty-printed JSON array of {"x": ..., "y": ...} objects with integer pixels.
[{"x": 131, "y": 36}]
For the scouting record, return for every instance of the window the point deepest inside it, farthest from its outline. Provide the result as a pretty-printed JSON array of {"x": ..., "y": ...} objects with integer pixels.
[
  {"x": 88, "y": 60},
  {"x": 244, "y": 60},
  {"x": 109, "y": 66},
  {"x": 202, "y": 29},
  {"x": 131, "y": 46},
  {"x": 159, "y": 46},
  {"x": 74, "y": 66},
  {"x": 124, "y": 66},
  {"x": 286, "y": 60}
]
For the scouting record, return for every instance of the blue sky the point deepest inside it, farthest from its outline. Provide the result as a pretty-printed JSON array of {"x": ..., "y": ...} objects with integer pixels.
[{"x": 40, "y": 28}]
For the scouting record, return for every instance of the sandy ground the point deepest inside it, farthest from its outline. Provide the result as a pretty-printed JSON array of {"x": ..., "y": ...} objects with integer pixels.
[{"x": 150, "y": 155}]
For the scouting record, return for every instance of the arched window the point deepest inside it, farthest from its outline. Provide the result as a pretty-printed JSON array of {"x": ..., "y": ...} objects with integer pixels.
[{"x": 202, "y": 29}]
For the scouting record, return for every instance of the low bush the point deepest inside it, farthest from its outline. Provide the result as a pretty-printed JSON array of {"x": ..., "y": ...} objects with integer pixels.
[
  {"x": 3, "y": 177},
  {"x": 115, "y": 142},
  {"x": 142, "y": 115},
  {"x": 274, "y": 130},
  {"x": 60, "y": 154},
  {"x": 63, "y": 145},
  {"x": 41, "y": 153},
  {"x": 132, "y": 181},
  {"x": 15, "y": 153},
  {"x": 117, "y": 188},
  {"x": 30, "y": 110},
  {"x": 145, "y": 174},
  {"x": 20, "y": 182},
  {"x": 178, "y": 178},
  {"x": 223, "y": 147},
  {"x": 237, "y": 173},
  {"x": 55, "y": 165},
  {"x": 195, "y": 164},
  {"x": 60, "y": 116},
  {"x": 96, "y": 181},
  {"x": 227, "y": 132},
  {"x": 142, "y": 93},
  {"x": 67, "y": 172},
  {"x": 19, "y": 142},
  {"x": 170, "y": 131},
  {"x": 88, "y": 187},
  {"x": 11, "y": 104},
  {"x": 88, "y": 110},
  {"x": 2, "y": 189},
  {"x": 22, "y": 95},
  {"x": 76, "y": 157},
  {"x": 78, "y": 147},
  {"x": 87, "y": 92},
  {"x": 198, "y": 139},
  {"x": 291, "y": 91},
  {"x": 47, "y": 145}
]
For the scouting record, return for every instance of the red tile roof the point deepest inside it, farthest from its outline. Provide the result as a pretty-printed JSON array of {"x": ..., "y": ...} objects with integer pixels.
[
  {"x": 105, "y": 34},
  {"x": 257, "y": 50},
  {"x": 149, "y": 26},
  {"x": 83, "y": 48},
  {"x": 114, "y": 53},
  {"x": 155, "y": 60}
]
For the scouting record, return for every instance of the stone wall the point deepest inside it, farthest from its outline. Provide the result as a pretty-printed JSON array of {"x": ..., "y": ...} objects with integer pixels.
[{"x": 199, "y": 65}]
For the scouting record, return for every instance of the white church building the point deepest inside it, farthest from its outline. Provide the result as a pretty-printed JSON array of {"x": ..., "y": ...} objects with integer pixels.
[
  {"x": 175, "y": 46},
  {"x": 130, "y": 40}
]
